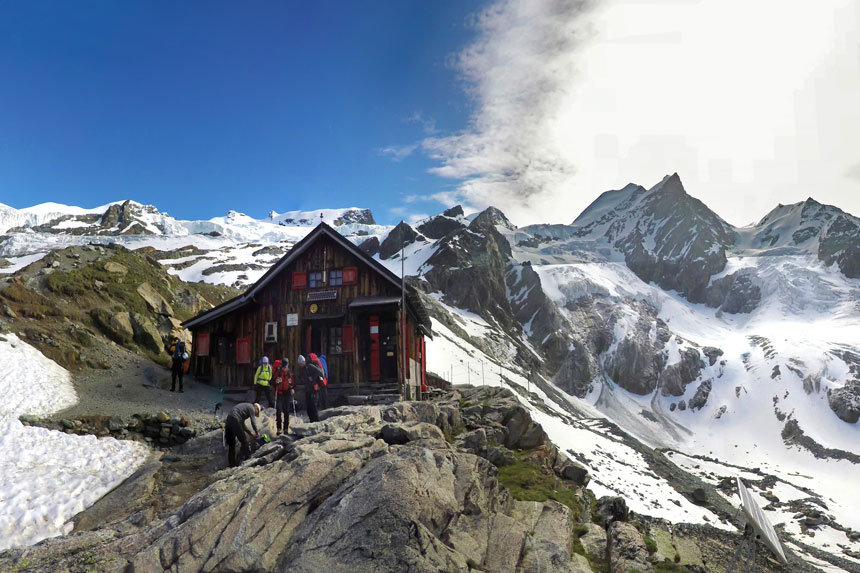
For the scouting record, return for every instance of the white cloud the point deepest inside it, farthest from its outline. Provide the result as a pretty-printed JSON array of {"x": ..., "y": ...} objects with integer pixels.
[
  {"x": 398, "y": 152},
  {"x": 753, "y": 103}
]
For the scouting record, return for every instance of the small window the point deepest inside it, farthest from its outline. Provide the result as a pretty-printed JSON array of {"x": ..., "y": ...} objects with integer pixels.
[
  {"x": 315, "y": 279},
  {"x": 335, "y": 278},
  {"x": 271, "y": 332},
  {"x": 335, "y": 340}
]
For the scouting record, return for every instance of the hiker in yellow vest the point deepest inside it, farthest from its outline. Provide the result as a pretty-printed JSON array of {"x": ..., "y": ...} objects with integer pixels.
[{"x": 261, "y": 382}]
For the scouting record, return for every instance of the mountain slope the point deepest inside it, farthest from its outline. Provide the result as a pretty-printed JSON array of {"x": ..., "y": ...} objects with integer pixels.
[{"x": 731, "y": 348}]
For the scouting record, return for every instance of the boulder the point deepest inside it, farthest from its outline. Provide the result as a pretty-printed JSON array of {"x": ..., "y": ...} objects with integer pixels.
[
  {"x": 146, "y": 334},
  {"x": 116, "y": 268},
  {"x": 700, "y": 398},
  {"x": 154, "y": 300},
  {"x": 627, "y": 550},
  {"x": 116, "y": 326},
  {"x": 612, "y": 509},
  {"x": 594, "y": 541}
]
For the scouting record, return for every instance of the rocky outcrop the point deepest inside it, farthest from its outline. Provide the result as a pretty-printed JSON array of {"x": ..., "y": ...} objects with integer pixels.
[
  {"x": 370, "y": 245},
  {"x": 627, "y": 550},
  {"x": 840, "y": 244},
  {"x": 397, "y": 238},
  {"x": 845, "y": 402},
  {"x": 154, "y": 300},
  {"x": 356, "y": 217},
  {"x": 700, "y": 398},
  {"x": 116, "y": 326},
  {"x": 145, "y": 333},
  {"x": 675, "y": 377},
  {"x": 638, "y": 359},
  {"x": 450, "y": 221},
  {"x": 365, "y": 489},
  {"x": 735, "y": 293}
]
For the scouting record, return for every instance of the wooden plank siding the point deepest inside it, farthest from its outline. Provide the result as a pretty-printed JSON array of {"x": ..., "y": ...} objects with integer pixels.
[{"x": 348, "y": 371}]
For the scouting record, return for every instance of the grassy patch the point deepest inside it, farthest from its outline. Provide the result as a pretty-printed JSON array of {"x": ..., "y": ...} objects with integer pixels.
[
  {"x": 452, "y": 435},
  {"x": 668, "y": 567},
  {"x": 528, "y": 480},
  {"x": 650, "y": 544}
]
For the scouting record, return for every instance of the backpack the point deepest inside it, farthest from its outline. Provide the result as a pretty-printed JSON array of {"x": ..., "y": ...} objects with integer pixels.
[{"x": 179, "y": 350}]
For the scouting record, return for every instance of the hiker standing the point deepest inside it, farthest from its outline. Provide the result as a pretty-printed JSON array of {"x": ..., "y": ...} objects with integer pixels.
[
  {"x": 261, "y": 382},
  {"x": 235, "y": 429},
  {"x": 311, "y": 376},
  {"x": 318, "y": 361},
  {"x": 283, "y": 394},
  {"x": 178, "y": 358}
]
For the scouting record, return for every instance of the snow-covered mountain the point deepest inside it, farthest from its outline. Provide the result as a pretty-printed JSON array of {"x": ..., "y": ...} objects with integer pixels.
[{"x": 734, "y": 351}]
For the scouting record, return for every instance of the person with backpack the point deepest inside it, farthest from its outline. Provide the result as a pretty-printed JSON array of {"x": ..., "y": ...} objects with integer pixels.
[
  {"x": 323, "y": 391},
  {"x": 283, "y": 394},
  {"x": 234, "y": 429},
  {"x": 178, "y": 358},
  {"x": 311, "y": 376},
  {"x": 261, "y": 382}
]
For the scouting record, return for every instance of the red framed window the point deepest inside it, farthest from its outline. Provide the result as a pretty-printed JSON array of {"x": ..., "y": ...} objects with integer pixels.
[
  {"x": 202, "y": 344},
  {"x": 243, "y": 351},
  {"x": 300, "y": 281},
  {"x": 350, "y": 275}
]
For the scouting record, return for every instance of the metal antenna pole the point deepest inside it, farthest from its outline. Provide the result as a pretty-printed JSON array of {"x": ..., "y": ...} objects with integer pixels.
[{"x": 403, "y": 312}]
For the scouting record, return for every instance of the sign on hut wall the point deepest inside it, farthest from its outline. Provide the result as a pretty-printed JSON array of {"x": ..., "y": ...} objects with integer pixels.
[{"x": 293, "y": 319}]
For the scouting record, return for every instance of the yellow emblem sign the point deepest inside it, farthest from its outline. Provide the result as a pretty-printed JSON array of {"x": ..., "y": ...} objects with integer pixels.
[{"x": 314, "y": 309}]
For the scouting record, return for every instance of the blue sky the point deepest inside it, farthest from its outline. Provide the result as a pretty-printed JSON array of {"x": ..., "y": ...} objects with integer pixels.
[
  {"x": 201, "y": 107},
  {"x": 408, "y": 106}
]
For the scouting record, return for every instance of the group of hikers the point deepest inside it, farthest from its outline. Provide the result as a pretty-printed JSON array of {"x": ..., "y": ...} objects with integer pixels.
[{"x": 276, "y": 383}]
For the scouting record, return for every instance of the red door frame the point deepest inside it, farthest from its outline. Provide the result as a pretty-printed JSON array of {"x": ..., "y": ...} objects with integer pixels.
[{"x": 374, "y": 348}]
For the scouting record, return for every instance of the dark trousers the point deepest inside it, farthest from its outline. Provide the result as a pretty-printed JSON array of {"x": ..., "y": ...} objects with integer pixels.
[
  {"x": 313, "y": 413},
  {"x": 323, "y": 397},
  {"x": 176, "y": 371},
  {"x": 234, "y": 430},
  {"x": 267, "y": 391},
  {"x": 282, "y": 408}
]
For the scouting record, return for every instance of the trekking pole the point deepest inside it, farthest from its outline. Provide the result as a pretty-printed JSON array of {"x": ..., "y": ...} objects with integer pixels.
[{"x": 483, "y": 378}]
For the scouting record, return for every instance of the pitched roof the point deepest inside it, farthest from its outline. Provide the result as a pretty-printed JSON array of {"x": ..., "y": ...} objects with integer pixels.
[{"x": 412, "y": 302}]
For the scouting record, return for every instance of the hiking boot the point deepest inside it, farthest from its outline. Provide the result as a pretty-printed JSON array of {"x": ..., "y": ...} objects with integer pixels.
[
  {"x": 278, "y": 432},
  {"x": 181, "y": 390}
]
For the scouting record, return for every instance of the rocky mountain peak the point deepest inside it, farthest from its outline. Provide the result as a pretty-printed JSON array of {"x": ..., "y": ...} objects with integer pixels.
[
  {"x": 491, "y": 216},
  {"x": 455, "y": 211},
  {"x": 670, "y": 185}
]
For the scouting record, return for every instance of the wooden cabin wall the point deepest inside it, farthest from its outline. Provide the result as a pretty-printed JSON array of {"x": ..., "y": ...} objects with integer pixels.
[{"x": 277, "y": 299}]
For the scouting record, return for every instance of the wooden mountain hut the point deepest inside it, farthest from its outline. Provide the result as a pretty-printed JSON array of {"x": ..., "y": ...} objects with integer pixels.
[{"x": 325, "y": 296}]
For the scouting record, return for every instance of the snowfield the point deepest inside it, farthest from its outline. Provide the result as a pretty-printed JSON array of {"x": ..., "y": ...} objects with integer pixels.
[{"x": 47, "y": 477}]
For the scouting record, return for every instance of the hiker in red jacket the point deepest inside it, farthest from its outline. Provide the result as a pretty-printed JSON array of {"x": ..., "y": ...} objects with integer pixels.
[
  {"x": 283, "y": 394},
  {"x": 323, "y": 392}
]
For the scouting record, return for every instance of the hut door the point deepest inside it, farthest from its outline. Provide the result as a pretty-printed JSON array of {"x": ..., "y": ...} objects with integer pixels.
[{"x": 374, "y": 348}]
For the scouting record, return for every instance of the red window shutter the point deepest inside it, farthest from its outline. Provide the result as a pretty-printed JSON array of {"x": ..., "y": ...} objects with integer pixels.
[
  {"x": 347, "y": 339},
  {"x": 350, "y": 275},
  {"x": 243, "y": 351},
  {"x": 300, "y": 281},
  {"x": 203, "y": 344}
]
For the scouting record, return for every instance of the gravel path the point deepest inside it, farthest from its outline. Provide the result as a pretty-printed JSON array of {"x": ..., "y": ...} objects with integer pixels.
[{"x": 137, "y": 385}]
